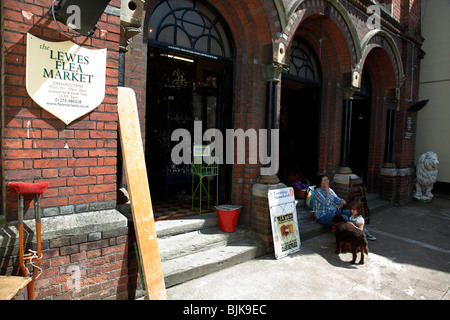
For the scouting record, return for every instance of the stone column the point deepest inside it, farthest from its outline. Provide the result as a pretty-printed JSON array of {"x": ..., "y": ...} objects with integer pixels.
[
  {"x": 388, "y": 172},
  {"x": 275, "y": 61},
  {"x": 341, "y": 178}
]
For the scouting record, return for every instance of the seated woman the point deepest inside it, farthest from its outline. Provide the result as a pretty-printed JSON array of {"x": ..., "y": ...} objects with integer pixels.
[{"x": 327, "y": 203}]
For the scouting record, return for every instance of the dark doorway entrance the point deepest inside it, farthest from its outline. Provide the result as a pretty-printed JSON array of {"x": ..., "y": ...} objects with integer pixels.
[
  {"x": 360, "y": 128},
  {"x": 300, "y": 115},
  {"x": 190, "y": 71},
  {"x": 299, "y": 132},
  {"x": 182, "y": 89},
  {"x": 360, "y": 137}
]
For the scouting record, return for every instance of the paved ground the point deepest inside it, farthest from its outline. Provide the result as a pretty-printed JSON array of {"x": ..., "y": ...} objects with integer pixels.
[{"x": 409, "y": 260}]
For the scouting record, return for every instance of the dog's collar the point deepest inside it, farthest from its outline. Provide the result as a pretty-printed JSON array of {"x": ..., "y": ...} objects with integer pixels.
[{"x": 334, "y": 227}]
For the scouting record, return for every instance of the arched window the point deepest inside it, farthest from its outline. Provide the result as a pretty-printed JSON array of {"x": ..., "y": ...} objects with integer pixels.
[
  {"x": 190, "y": 26},
  {"x": 304, "y": 65}
]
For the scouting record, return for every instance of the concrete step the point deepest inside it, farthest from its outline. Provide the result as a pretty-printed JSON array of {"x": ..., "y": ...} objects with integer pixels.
[
  {"x": 195, "y": 246},
  {"x": 168, "y": 228},
  {"x": 198, "y": 264},
  {"x": 311, "y": 229},
  {"x": 200, "y": 240}
]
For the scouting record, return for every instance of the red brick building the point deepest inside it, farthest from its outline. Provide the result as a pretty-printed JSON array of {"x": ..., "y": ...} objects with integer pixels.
[{"x": 339, "y": 99}]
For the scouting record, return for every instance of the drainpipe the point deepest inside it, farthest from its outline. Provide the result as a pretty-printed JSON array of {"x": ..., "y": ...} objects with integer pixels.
[
  {"x": 412, "y": 72},
  {"x": 389, "y": 136},
  {"x": 121, "y": 83},
  {"x": 130, "y": 14}
]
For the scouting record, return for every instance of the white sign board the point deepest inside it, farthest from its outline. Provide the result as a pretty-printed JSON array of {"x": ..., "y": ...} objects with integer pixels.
[
  {"x": 202, "y": 151},
  {"x": 283, "y": 215},
  {"x": 65, "y": 79}
]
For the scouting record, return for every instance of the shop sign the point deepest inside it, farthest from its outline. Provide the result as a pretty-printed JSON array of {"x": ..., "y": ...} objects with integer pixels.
[
  {"x": 65, "y": 79},
  {"x": 283, "y": 216}
]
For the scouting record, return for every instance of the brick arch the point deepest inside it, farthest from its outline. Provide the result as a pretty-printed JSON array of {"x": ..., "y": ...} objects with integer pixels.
[
  {"x": 380, "y": 39},
  {"x": 251, "y": 26},
  {"x": 248, "y": 30},
  {"x": 331, "y": 9}
]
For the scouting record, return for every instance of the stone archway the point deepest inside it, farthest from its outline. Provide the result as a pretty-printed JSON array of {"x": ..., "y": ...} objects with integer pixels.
[
  {"x": 381, "y": 58},
  {"x": 327, "y": 27},
  {"x": 292, "y": 13},
  {"x": 380, "y": 39}
]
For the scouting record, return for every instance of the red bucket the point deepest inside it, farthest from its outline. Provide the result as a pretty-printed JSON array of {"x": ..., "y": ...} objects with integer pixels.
[{"x": 228, "y": 215}]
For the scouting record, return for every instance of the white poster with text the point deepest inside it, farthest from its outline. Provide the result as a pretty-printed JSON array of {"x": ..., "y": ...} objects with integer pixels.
[
  {"x": 283, "y": 216},
  {"x": 65, "y": 79}
]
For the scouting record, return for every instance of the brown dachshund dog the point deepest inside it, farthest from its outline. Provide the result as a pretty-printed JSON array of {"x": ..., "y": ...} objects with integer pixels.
[{"x": 348, "y": 236}]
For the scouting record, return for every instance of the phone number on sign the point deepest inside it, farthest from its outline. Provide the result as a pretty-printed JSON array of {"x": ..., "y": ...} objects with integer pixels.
[{"x": 61, "y": 100}]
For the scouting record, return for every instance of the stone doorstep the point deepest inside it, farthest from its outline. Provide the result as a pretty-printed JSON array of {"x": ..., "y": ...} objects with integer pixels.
[
  {"x": 198, "y": 264},
  {"x": 196, "y": 241},
  {"x": 167, "y": 228},
  {"x": 195, "y": 246}
]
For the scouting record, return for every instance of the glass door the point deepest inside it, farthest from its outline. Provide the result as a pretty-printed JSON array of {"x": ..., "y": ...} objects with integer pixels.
[{"x": 182, "y": 90}]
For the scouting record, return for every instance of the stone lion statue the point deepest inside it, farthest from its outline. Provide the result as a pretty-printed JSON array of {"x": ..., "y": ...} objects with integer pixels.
[{"x": 426, "y": 175}]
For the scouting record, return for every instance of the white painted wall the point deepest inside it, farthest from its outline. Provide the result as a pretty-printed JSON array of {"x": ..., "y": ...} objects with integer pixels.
[{"x": 433, "y": 122}]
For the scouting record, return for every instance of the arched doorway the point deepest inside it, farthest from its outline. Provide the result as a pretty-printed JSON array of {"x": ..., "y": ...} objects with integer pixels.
[
  {"x": 300, "y": 113},
  {"x": 360, "y": 127},
  {"x": 379, "y": 65},
  {"x": 189, "y": 78}
]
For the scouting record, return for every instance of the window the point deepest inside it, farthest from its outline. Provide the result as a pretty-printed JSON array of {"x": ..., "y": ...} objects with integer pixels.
[
  {"x": 303, "y": 63},
  {"x": 191, "y": 26}
]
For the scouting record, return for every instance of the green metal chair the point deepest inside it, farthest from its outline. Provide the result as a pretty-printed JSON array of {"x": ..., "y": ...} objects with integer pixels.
[{"x": 205, "y": 167}]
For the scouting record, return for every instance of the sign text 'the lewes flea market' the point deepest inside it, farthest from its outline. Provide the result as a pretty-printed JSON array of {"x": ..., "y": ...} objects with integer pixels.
[{"x": 65, "y": 79}]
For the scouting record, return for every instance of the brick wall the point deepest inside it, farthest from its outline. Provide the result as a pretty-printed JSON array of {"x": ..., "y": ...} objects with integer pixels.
[
  {"x": 92, "y": 259},
  {"x": 78, "y": 160},
  {"x": 397, "y": 185},
  {"x": 261, "y": 224}
]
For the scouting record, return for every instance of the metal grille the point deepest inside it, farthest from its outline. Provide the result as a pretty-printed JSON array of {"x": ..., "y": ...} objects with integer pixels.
[{"x": 191, "y": 25}]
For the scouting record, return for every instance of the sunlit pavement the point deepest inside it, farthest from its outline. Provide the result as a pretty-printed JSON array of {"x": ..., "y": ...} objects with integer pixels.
[{"x": 409, "y": 260}]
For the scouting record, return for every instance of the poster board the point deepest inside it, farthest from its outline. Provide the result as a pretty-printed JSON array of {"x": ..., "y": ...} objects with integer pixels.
[
  {"x": 64, "y": 78},
  {"x": 283, "y": 217}
]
